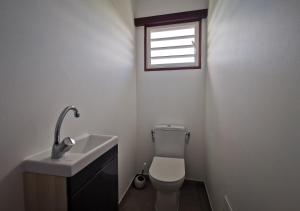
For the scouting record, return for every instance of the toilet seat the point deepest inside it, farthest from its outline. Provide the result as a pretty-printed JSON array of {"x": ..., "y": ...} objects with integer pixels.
[{"x": 168, "y": 170}]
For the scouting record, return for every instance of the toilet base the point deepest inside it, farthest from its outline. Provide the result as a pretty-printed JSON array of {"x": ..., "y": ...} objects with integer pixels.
[{"x": 167, "y": 201}]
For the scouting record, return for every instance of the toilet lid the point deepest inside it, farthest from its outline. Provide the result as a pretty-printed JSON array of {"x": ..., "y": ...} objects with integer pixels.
[{"x": 167, "y": 169}]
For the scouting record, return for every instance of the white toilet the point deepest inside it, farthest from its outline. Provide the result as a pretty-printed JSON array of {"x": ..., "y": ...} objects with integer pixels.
[{"x": 167, "y": 170}]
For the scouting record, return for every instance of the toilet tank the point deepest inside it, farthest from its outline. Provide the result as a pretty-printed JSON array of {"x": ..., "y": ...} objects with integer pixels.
[{"x": 169, "y": 140}]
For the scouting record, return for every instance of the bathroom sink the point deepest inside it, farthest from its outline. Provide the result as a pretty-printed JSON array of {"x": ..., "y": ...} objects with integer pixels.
[
  {"x": 89, "y": 143},
  {"x": 87, "y": 149}
]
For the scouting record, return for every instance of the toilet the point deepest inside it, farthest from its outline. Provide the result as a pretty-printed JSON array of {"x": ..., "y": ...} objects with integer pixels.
[{"x": 167, "y": 170}]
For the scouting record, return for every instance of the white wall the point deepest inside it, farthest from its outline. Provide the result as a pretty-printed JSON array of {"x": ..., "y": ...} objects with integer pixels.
[
  {"x": 170, "y": 96},
  {"x": 57, "y": 53},
  {"x": 253, "y": 104},
  {"x": 144, "y": 8}
]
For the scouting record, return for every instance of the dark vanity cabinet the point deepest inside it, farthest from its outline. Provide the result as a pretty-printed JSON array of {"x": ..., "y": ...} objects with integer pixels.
[{"x": 94, "y": 188}]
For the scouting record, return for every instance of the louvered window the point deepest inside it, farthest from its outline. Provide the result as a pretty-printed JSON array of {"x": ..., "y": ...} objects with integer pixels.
[{"x": 173, "y": 46}]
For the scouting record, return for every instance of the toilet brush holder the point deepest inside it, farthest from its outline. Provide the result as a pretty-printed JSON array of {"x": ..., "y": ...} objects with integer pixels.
[{"x": 139, "y": 181}]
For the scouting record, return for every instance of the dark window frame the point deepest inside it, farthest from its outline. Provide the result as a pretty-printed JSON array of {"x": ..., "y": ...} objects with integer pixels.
[{"x": 169, "y": 19}]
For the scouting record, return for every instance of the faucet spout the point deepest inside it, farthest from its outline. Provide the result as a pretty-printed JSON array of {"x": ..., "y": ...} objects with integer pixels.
[{"x": 58, "y": 148}]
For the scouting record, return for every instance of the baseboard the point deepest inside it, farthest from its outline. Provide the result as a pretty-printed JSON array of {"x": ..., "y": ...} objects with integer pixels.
[
  {"x": 192, "y": 179},
  {"x": 126, "y": 190},
  {"x": 209, "y": 198},
  {"x": 194, "y": 182}
]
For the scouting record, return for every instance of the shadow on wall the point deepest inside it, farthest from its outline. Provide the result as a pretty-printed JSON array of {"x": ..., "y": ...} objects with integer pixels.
[{"x": 55, "y": 53}]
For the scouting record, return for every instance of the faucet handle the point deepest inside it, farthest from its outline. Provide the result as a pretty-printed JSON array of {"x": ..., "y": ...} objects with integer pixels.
[
  {"x": 69, "y": 141},
  {"x": 58, "y": 150},
  {"x": 67, "y": 144}
]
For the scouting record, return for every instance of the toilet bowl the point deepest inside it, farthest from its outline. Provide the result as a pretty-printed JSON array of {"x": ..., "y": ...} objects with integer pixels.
[
  {"x": 167, "y": 170},
  {"x": 167, "y": 176}
]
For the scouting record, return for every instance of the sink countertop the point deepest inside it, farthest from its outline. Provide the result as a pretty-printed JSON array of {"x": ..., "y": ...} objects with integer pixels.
[{"x": 87, "y": 149}]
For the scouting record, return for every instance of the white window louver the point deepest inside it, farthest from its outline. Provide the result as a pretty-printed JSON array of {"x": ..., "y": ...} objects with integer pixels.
[{"x": 173, "y": 46}]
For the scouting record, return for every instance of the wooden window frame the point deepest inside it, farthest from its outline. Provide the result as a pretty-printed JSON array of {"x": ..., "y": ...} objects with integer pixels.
[{"x": 169, "y": 19}]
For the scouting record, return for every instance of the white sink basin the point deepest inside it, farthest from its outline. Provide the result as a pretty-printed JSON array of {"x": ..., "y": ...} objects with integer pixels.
[
  {"x": 88, "y": 143},
  {"x": 87, "y": 149}
]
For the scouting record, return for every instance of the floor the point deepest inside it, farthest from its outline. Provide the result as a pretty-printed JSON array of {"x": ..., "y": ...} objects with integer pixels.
[{"x": 193, "y": 197}]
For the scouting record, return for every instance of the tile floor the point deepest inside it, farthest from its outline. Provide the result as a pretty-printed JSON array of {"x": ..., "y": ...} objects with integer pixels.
[{"x": 193, "y": 197}]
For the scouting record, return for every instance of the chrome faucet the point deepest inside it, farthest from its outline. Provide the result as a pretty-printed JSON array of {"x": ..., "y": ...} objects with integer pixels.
[{"x": 59, "y": 148}]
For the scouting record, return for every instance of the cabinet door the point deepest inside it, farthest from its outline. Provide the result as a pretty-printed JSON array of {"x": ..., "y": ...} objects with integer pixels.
[{"x": 99, "y": 194}]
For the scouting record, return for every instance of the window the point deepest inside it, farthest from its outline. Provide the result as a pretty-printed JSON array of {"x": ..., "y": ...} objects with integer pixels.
[
  {"x": 172, "y": 41},
  {"x": 174, "y": 46}
]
